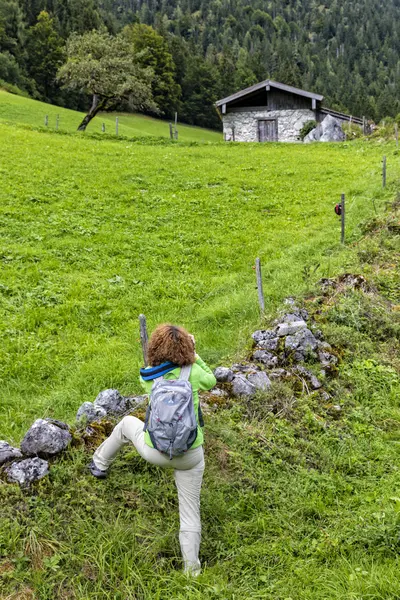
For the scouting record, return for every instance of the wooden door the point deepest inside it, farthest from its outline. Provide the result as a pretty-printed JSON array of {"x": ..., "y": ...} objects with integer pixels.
[{"x": 268, "y": 130}]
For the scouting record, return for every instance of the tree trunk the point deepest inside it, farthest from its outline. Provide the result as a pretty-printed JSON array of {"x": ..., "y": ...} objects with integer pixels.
[{"x": 95, "y": 108}]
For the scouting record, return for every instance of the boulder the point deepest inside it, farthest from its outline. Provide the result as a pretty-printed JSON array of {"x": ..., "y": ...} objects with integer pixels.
[
  {"x": 270, "y": 344},
  {"x": 284, "y": 329},
  {"x": 133, "y": 401},
  {"x": 315, "y": 384},
  {"x": 266, "y": 358},
  {"x": 260, "y": 380},
  {"x": 330, "y": 130},
  {"x": 8, "y": 453},
  {"x": 223, "y": 374},
  {"x": 26, "y": 471},
  {"x": 244, "y": 368},
  {"x": 263, "y": 334},
  {"x": 301, "y": 343},
  {"x": 297, "y": 315},
  {"x": 326, "y": 359},
  {"x": 90, "y": 412},
  {"x": 45, "y": 438},
  {"x": 112, "y": 402},
  {"x": 242, "y": 387}
]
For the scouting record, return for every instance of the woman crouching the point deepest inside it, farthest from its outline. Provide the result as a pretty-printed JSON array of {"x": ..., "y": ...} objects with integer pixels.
[{"x": 172, "y": 434}]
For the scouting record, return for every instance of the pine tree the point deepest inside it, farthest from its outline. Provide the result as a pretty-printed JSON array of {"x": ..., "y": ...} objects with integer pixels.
[
  {"x": 152, "y": 51},
  {"x": 46, "y": 54}
]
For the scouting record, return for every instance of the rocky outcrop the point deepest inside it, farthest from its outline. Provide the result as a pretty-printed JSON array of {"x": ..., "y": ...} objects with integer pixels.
[
  {"x": 330, "y": 130},
  {"x": 242, "y": 387},
  {"x": 260, "y": 380},
  {"x": 111, "y": 401},
  {"x": 89, "y": 412},
  {"x": 223, "y": 375},
  {"x": 280, "y": 353},
  {"x": 27, "y": 471},
  {"x": 46, "y": 438},
  {"x": 8, "y": 453}
]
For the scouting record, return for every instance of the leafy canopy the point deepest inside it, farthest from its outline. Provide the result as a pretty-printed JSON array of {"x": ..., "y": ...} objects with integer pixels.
[{"x": 106, "y": 66}]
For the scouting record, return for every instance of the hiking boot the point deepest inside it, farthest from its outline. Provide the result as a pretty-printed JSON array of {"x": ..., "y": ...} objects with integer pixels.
[{"x": 99, "y": 473}]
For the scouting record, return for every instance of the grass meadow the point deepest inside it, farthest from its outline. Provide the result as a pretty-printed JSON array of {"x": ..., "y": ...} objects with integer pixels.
[
  {"x": 94, "y": 232},
  {"x": 17, "y": 109}
]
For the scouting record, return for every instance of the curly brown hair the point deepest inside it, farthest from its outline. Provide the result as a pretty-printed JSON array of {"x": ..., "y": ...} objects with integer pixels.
[{"x": 170, "y": 342}]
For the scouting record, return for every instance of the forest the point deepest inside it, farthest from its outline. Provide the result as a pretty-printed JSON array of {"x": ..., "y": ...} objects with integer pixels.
[{"x": 202, "y": 50}]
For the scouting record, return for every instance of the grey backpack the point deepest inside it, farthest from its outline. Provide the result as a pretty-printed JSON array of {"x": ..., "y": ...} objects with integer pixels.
[{"x": 170, "y": 417}]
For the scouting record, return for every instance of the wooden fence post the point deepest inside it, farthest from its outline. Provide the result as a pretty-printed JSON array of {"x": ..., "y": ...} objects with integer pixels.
[
  {"x": 384, "y": 172},
  {"x": 103, "y": 127},
  {"x": 396, "y": 133},
  {"x": 343, "y": 198},
  {"x": 46, "y": 120},
  {"x": 171, "y": 134},
  {"x": 260, "y": 287},
  {"x": 116, "y": 125},
  {"x": 144, "y": 338},
  {"x": 57, "y": 119}
]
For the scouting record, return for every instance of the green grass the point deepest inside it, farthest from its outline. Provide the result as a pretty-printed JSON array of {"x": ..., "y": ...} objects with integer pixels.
[
  {"x": 16, "y": 109},
  {"x": 93, "y": 232},
  {"x": 304, "y": 507},
  {"x": 96, "y": 232}
]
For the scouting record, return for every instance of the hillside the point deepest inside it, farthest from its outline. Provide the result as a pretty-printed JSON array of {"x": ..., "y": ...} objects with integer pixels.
[
  {"x": 300, "y": 498},
  {"x": 201, "y": 51},
  {"x": 17, "y": 109},
  {"x": 95, "y": 232}
]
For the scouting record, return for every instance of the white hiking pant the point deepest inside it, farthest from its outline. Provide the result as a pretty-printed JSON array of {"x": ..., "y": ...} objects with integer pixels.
[{"x": 189, "y": 469}]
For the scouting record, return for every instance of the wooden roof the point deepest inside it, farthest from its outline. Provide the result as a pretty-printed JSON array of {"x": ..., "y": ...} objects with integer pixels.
[{"x": 268, "y": 83}]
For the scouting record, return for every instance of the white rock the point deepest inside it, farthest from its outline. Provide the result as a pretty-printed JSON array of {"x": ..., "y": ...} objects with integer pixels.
[
  {"x": 242, "y": 387},
  {"x": 46, "y": 438},
  {"x": 111, "y": 401},
  {"x": 90, "y": 412},
  {"x": 223, "y": 374},
  {"x": 7, "y": 452},
  {"x": 290, "y": 328},
  {"x": 26, "y": 471},
  {"x": 266, "y": 358},
  {"x": 260, "y": 380}
]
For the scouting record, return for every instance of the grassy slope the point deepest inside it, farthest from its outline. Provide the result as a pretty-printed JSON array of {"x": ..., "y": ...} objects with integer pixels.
[
  {"x": 95, "y": 232},
  {"x": 16, "y": 109},
  {"x": 303, "y": 506}
]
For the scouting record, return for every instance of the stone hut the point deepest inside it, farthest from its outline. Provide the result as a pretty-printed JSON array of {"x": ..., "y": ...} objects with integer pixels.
[{"x": 272, "y": 112}]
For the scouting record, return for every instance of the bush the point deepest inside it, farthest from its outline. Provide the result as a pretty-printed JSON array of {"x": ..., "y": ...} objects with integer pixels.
[
  {"x": 307, "y": 127},
  {"x": 13, "y": 89},
  {"x": 352, "y": 131}
]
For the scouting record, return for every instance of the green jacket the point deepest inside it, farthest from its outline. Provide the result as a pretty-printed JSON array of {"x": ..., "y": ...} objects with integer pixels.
[{"x": 201, "y": 378}]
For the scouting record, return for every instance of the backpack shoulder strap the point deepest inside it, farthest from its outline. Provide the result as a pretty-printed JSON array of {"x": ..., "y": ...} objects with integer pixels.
[{"x": 185, "y": 373}]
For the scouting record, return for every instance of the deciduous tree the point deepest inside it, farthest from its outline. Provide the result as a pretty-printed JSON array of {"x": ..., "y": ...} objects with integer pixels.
[{"x": 107, "y": 68}]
